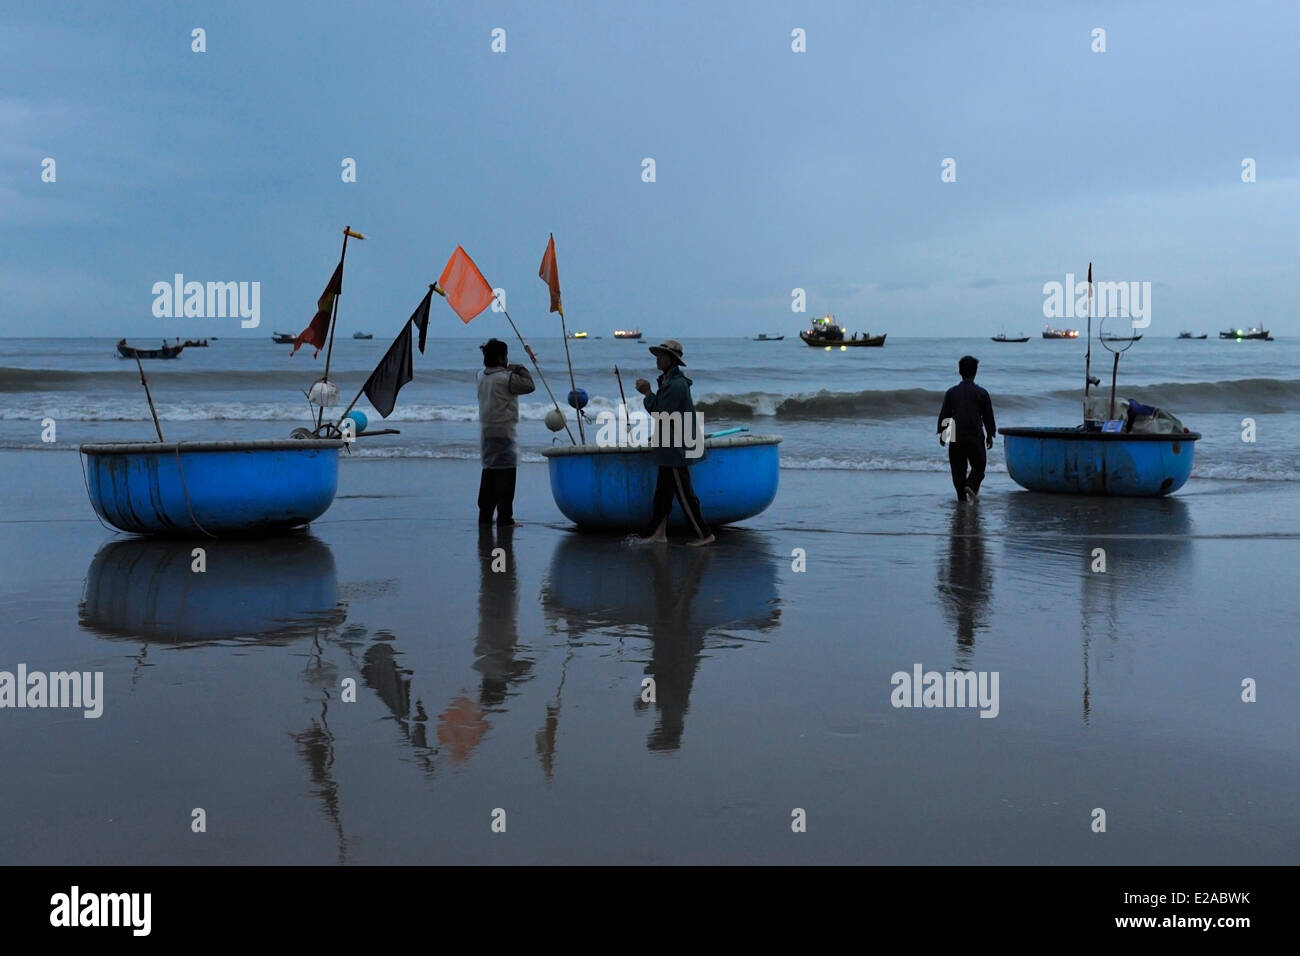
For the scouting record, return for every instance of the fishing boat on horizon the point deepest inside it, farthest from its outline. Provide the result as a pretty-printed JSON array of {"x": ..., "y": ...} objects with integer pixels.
[
  {"x": 283, "y": 338},
  {"x": 1254, "y": 333},
  {"x": 1051, "y": 333},
  {"x": 1112, "y": 337},
  {"x": 363, "y": 335},
  {"x": 164, "y": 352},
  {"x": 764, "y": 337},
  {"x": 1123, "y": 448},
  {"x": 634, "y": 334},
  {"x": 1002, "y": 337},
  {"x": 1189, "y": 335},
  {"x": 828, "y": 333},
  {"x": 578, "y": 335}
]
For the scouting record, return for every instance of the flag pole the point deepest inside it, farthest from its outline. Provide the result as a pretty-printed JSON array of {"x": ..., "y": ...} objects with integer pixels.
[
  {"x": 573, "y": 385},
  {"x": 438, "y": 289},
  {"x": 145, "y": 382},
  {"x": 1087, "y": 359},
  {"x": 539, "y": 372},
  {"x": 334, "y": 314}
]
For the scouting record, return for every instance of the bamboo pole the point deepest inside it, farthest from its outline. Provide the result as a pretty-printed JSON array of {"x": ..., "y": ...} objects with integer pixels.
[{"x": 153, "y": 411}]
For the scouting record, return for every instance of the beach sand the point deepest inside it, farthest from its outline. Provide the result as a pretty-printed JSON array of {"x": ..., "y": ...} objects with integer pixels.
[{"x": 519, "y": 690}]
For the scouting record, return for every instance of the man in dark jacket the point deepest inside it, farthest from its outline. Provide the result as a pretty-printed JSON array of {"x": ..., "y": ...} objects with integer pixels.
[
  {"x": 674, "y": 411},
  {"x": 966, "y": 426}
]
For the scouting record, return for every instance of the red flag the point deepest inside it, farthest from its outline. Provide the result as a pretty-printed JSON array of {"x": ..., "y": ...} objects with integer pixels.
[
  {"x": 318, "y": 330},
  {"x": 550, "y": 273},
  {"x": 467, "y": 292}
]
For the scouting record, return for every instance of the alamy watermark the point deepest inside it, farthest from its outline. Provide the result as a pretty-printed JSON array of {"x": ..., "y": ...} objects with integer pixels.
[
  {"x": 71, "y": 689},
  {"x": 951, "y": 689},
  {"x": 641, "y": 429},
  {"x": 211, "y": 300},
  {"x": 1112, "y": 300}
]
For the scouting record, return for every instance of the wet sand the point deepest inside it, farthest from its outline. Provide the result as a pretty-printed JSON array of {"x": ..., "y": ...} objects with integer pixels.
[{"x": 520, "y": 689}]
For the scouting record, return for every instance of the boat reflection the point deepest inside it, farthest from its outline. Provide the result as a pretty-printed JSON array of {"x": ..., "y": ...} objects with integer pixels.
[
  {"x": 677, "y": 597},
  {"x": 267, "y": 591},
  {"x": 1146, "y": 545},
  {"x": 260, "y": 591},
  {"x": 965, "y": 581}
]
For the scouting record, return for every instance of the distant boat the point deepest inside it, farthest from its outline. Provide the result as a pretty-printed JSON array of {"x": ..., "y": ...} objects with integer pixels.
[
  {"x": 1002, "y": 337},
  {"x": 627, "y": 334},
  {"x": 1051, "y": 333},
  {"x": 196, "y": 343},
  {"x": 283, "y": 338},
  {"x": 825, "y": 332},
  {"x": 1254, "y": 332},
  {"x": 764, "y": 337},
  {"x": 363, "y": 335},
  {"x": 577, "y": 335},
  {"x": 166, "y": 352},
  {"x": 1189, "y": 335},
  {"x": 1112, "y": 337}
]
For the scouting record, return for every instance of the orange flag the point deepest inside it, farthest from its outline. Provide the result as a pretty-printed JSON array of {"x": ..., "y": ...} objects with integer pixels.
[
  {"x": 550, "y": 273},
  {"x": 467, "y": 292}
]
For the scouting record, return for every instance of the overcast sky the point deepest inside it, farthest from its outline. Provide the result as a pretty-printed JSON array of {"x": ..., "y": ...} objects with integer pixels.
[{"x": 774, "y": 170}]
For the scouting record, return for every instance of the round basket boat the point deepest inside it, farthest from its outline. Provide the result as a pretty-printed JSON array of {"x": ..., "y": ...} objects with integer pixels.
[
  {"x": 1077, "y": 462},
  {"x": 613, "y": 488},
  {"x": 219, "y": 487}
]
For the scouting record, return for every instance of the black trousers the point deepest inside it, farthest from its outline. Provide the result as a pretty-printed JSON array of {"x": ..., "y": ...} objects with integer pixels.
[
  {"x": 496, "y": 491},
  {"x": 676, "y": 483},
  {"x": 961, "y": 454}
]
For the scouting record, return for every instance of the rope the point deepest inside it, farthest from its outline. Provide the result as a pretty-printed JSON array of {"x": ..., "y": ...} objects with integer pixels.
[
  {"x": 86, "y": 482},
  {"x": 185, "y": 488}
]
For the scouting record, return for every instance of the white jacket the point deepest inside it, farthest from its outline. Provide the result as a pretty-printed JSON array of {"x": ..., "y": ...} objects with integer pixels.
[{"x": 498, "y": 413}]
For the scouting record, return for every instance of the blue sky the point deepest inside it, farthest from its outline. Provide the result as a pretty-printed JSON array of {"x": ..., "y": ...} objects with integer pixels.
[{"x": 775, "y": 169}]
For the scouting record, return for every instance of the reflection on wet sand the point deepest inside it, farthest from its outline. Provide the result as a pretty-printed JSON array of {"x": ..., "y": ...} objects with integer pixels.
[
  {"x": 676, "y": 596},
  {"x": 965, "y": 583},
  {"x": 267, "y": 592},
  {"x": 1146, "y": 545}
]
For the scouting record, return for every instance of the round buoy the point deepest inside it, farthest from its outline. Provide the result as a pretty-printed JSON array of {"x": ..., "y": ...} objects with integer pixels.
[
  {"x": 555, "y": 420},
  {"x": 359, "y": 419},
  {"x": 324, "y": 394},
  {"x": 578, "y": 399}
]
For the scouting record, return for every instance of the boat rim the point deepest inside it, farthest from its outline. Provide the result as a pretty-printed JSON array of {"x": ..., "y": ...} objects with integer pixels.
[
  {"x": 171, "y": 447},
  {"x": 729, "y": 441},
  {"x": 1069, "y": 433}
]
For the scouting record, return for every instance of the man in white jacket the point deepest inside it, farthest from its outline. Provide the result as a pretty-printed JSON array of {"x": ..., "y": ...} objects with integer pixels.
[{"x": 499, "y": 387}]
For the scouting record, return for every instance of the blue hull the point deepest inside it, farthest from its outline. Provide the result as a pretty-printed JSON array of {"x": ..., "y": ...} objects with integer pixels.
[
  {"x": 254, "y": 487},
  {"x": 259, "y": 591},
  {"x": 613, "y": 488},
  {"x": 1072, "y": 462}
]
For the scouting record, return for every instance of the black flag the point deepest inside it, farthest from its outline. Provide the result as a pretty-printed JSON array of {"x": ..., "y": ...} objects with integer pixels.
[
  {"x": 393, "y": 371},
  {"x": 421, "y": 317}
]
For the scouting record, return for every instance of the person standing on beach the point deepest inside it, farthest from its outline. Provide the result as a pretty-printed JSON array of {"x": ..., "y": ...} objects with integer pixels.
[
  {"x": 499, "y": 387},
  {"x": 966, "y": 426},
  {"x": 673, "y": 397}
]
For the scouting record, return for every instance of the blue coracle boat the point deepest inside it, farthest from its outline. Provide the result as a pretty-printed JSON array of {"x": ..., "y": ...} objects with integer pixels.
[
  {"x": 613, "y": 488},
  {"x": 221, "y": 487},
  {"x": 1079, "y": 462}
]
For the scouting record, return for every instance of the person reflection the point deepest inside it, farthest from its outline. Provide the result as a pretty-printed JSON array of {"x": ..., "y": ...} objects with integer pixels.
[
  {"x": 676, "y": 642},
  {"x": 464, "y": 722},
  {"x": 965, "y": 582}
]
